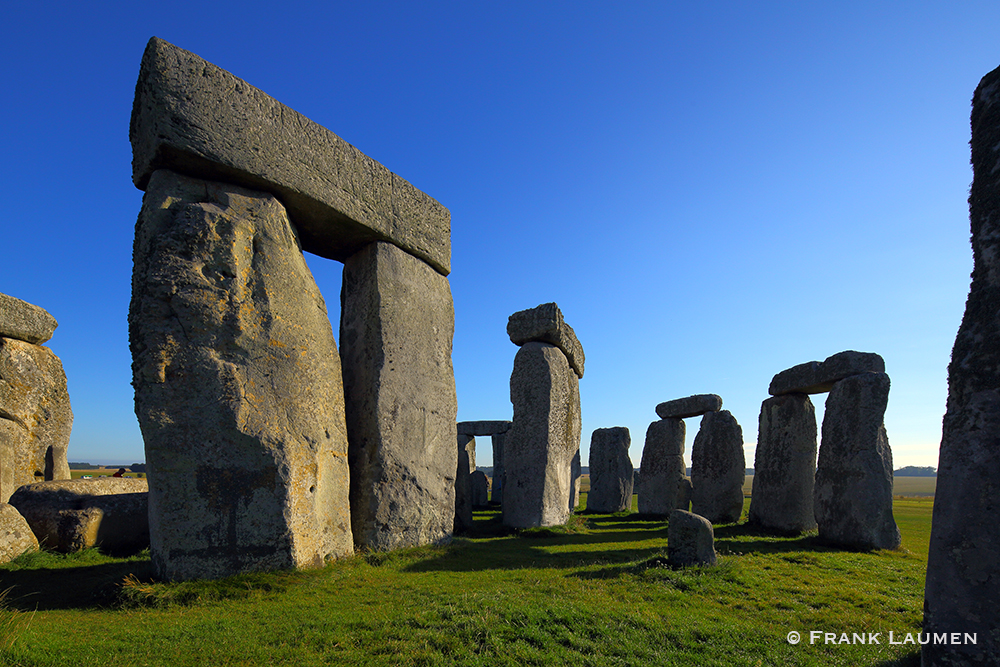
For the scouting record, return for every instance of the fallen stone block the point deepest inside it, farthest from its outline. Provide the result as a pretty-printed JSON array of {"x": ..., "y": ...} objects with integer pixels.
[
  {"x": 16, "y": 537},
  {"x": 692, "y": 406}
]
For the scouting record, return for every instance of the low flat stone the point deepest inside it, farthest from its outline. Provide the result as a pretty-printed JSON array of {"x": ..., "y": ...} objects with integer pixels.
[
  {"x": 69, "y": 515},
  {"x": 545, "y": 324},
  {"x": 482, "y": 428},
  {"x": 692, "y": 406},
  {"x": 197, "y": 119},
  {"x": 816, "y": 377},
  {"x": 16, "y": 537},
  {"x": 690, "y": 539},
  {"x": 23, "y": 321}
]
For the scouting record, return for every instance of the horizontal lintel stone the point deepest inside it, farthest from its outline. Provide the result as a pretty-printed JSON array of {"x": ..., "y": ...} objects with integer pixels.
[
  {"x": 21, "y": 320},
  {"x": 194, "y": 118},
  {"x": 545, "y": 324},
  {"x": 816, "y": 377},
  {"x": 483, "y": 428},
  {"x": 691, "y": 406}
]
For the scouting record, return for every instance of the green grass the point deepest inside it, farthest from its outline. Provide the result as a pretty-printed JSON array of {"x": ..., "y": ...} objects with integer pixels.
[{"x": 597, "y": 592}]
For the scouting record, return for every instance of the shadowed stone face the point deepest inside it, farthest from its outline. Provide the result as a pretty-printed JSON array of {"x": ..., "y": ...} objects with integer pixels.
[
  {"x": 718, "y": 468},
  {"x": 692, "y": 406},
  {"x": 962, "y": 580},
  {"x": 662, "y": 466},
  {"x": 237, "y": 382},
  {"x": 610, "y": 471},
  {"x": 690, "y": 539}
]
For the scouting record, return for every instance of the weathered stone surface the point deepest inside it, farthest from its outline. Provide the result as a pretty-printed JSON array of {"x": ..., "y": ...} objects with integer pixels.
[
  {"x": 815, "y": 377},
  {"x": 496, "y": 493},
  {"x": 662, "y": 466},
  {"x": 237, "y": 382},
  {"x": 543, "y": 439},
  {"x": 483, "y": 427},
  {"x": 195, "y": 118},
  {"x": 692, "y": 406},
  {"x": 16, "y": 537},
  {"x": 785, "y": 465},
  {"x": 853, "y": 492},
  {"x": 684, "y": 494},
  {"x": 611, "y": 470},
  {"x": 718, "y": 468},
  {"x": 690, "y": 539},
  {"x": 963, "y": 584},
  {"x": 463, "y": 481},
  {"x": 545, "y": 324},
  {"x": 69, "y": 515},
  {"x": 396, "y": 326},
  {"x": 21, "y": 320},
  {"x": 480, "y": 485},
  {"x": 35, "y": 415}
]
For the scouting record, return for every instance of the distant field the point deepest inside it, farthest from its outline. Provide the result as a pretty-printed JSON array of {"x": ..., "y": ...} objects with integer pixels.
[
  {"x": 905, "y": 487},
  {"x": 97, "y": 472}
]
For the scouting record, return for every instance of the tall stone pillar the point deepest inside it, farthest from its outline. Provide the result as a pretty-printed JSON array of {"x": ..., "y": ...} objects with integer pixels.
[
  {"x": 611, "y": 471},
  {"x": 963, "y": 578},
  {"x": 463, "y": 481},
  {"x": 396, "y": 327},
  {"x": 718, "y": 468},
  {"x": 785, "y": 465},
  {"x": 662, "y": 467},
  {"x": 237, "y": 386}
]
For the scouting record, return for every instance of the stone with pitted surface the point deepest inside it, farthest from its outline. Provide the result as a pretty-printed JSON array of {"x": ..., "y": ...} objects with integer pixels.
[
  {"x": 692, "y": 406},
  {"x": 610, "y": 471},
  {"x": 545, "y": 324},
  {"x": 718, "y": 468},
  {"x": 690, "y": 539},
  {"x": 21, "y": 320},
  {"x": 816, "y": 377},
  {"x": 662, "y": 467}
]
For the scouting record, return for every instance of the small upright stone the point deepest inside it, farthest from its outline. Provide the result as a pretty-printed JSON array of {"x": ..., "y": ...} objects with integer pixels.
[
  {"x": 684, "y": 494},
  {"x": 21, "y": 320},
  {"x": 575, "y": 473},
  {"x": 692, "y": 406},
  {"x": 785, "y": 465},
  {"x": 690, "y": 539},
  {"x": 610, "y": 471},
  {"x": 496, "y": 493},
  {"x": 853, "y": 492},
  {"x": 543, "y": 439},
  {"x": 16, "y": 537},
  {"x": 662, "y": 467},
  {"x": 463, "y": 481},
  {"x": 545, "y": 324},
  {"x": 480, "y": 485},
  {"x": 718, "y": 468}
]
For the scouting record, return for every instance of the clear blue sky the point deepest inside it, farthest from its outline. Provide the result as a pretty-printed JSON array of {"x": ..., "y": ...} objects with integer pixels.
[{"x": 711, "y": 191}]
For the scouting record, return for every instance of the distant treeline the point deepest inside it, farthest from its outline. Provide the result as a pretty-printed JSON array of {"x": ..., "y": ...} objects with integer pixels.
[{"x": 916, "y": 471}]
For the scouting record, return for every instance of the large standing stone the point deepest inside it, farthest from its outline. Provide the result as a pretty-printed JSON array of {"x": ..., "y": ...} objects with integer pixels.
[
  {"x": 544, "y": 437},
  {"x": 463, "y": 481},
  {"x": 692, "y": 406},
  {"x": 610, "y": 471},
  {"x": 70, "y": 515},
  {"x": 21, "y": 320},
  {"x": 718, "y": 468},
  {"x": 16, "y": 537},
  {"x": 498, "y": 441},
  {"x": 396, "y": 326},
  {"x": 690, "y": 539},
  {"x": 545, "y": 324},
  {"x": 662, "y": 467},
  {"x": 963, "y": 580},
  {"x": 35, "y": 416},
  {"x": 193, "y": 117},
  {"x": 785, "y": 465},
  {"x": 816, "y": 377},
  {"x": 237, "y": 383},
  {"x": 853, "y": 492}
]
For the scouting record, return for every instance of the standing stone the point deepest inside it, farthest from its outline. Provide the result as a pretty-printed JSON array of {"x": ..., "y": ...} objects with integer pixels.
[
  {"x": 16, "y": 537},
  {"x": 785, "y": 465},
  {"x": 610, "y": 471},
  {"x": 35, "y": 416},
  {"x": 718, "y": 468},
  {"x": 237, "y": 386},
  {"x": 853, "y": 492},
  {"x": 498, "y": 440},
  {"x": 684, "y": 494},
  {"x": 662, "y": 466},
  {"x": 480, "y": 487},
  {"x": 575, "y": 473},
  {"x": 463, "y": 481},
  {"x": 543, "y": 439},
  {"x": 963, "y": 579},
  {"x": 690, "y": 539},
  {"x": 396, "y": 326}
]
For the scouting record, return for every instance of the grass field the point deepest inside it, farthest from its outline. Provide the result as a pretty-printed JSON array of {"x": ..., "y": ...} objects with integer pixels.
[{"x": 597, "y": 592}]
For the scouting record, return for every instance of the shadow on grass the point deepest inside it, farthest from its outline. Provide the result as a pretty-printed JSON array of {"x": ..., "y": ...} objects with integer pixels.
[{"x": 79, "y": 587}]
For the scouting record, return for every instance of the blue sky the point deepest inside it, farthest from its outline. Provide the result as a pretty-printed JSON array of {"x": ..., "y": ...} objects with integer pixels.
[{"x": 711, "y": 191}]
